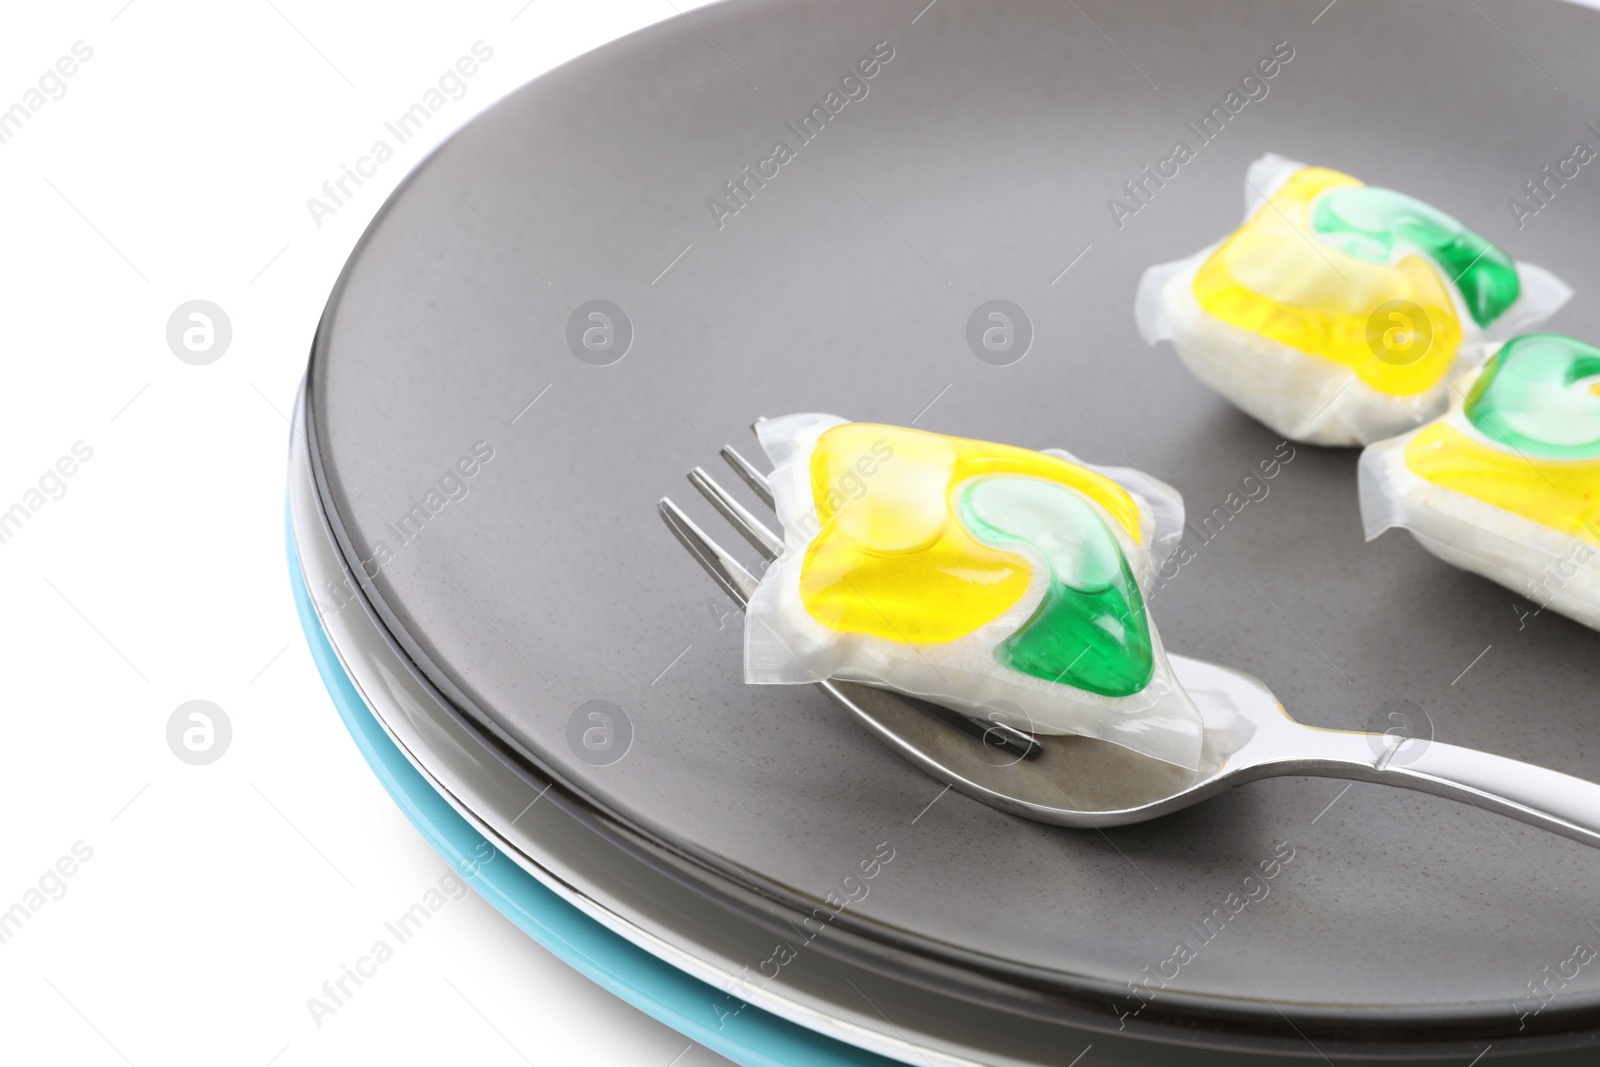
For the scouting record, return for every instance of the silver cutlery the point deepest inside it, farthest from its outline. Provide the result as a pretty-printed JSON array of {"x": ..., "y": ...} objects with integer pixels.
[{"x": 1080, "y": 781}]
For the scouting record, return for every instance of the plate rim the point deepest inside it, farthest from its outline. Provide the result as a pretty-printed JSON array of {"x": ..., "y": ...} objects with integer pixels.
[{"x": 1046, "y": 993}]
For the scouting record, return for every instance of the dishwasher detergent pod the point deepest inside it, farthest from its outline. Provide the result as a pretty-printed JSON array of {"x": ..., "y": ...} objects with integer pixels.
[
  {"x": 1006, "y": 583},
  {"x": 1338, "y": 312},
  {"x": 1507, "y": 483}
]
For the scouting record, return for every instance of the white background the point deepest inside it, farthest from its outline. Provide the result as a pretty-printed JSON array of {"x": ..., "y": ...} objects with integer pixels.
[{"x": 218, "y": 898}]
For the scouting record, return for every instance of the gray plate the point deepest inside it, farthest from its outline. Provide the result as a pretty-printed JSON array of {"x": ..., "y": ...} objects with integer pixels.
[
  {"x": 900, "y": 1019},
  {"x": 977, "y": 167}
]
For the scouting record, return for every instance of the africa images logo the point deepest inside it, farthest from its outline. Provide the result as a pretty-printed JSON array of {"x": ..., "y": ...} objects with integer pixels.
[
  {"x": 853, "y": 87},
  {"x": 1142, "y": 188}
]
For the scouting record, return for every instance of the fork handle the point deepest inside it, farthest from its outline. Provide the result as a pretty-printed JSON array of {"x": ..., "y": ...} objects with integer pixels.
[{"x": 1536, "y": 795}]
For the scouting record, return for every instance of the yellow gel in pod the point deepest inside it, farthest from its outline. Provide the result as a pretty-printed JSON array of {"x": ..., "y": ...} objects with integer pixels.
[
  {"x": 1277, "y": 277},
  {"x": 1536, "y": 406},
  {"x": 1562, "y": 494},
  {"x": 892, "y": 558}
]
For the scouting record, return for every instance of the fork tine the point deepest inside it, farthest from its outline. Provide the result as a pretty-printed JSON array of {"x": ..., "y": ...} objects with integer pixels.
[
  {"x": 740, "y": 585},
  {"x": 753, "y": 478},
  {"x": 765, "y": 541},
  {"x": 737, "y": 582}
]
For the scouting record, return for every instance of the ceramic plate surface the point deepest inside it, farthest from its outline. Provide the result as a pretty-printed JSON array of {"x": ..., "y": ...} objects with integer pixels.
[
  {"x": 483, "y": 815},
  {"x": 977, "y": 166},
  {"x": 756, "y": 1037}
]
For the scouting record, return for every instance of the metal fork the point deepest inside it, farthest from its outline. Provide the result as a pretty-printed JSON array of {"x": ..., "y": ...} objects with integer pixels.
[
  {"x": 1080, "y": 781},
  {"x": 739, "y": 584}
]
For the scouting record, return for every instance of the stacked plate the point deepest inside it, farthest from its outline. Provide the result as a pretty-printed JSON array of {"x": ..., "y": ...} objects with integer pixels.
[{"x": 602, "y": 279}]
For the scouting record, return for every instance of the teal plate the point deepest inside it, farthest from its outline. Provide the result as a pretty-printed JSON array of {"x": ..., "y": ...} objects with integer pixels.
[{"x": 753, "y": 1037}]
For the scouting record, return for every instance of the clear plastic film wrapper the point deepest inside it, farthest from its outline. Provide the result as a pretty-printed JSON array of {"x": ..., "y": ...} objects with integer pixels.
[
  {"x": 1006, "y": 583},
  {"x": 1506, "y": 484},
  {"x": 1338, "y": 312}
]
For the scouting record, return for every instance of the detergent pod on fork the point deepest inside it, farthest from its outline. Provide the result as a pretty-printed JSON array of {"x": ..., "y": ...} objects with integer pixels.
[
  {"x": 1338, "y": 313},
  {"x": 1507, "y": 483},
  {"x": 1006, "y": 583}
]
